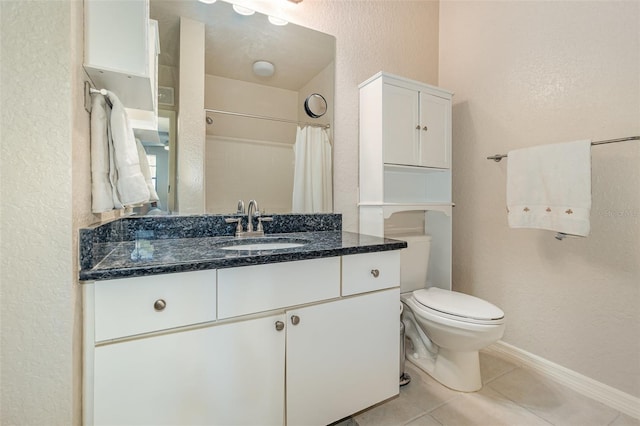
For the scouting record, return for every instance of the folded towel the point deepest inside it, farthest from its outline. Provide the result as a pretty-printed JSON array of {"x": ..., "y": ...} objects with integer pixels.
[
  {"x": 101, "y": 193},
  {"x": 549, "y": 187},
  {"x": 130, "y": 183}
]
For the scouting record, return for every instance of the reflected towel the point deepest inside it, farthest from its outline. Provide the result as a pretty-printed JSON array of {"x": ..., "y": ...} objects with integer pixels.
[
  {"x": 549, "y": 187},
  {"x": 130, "y": 183},
  {"x": 101, "y": 193},
  {"x": 146, "y": 171}
]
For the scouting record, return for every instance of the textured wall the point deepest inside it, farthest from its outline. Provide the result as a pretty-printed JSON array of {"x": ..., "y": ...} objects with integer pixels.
[
  {"x": 44, "y": 191},
  {"x": 191, "y": 118},
  {"x": 529, "y": 73},
  {"x": 400, "y": 37}
]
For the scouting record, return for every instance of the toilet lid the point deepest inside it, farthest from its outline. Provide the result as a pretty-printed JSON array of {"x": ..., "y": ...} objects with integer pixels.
[{"x": 458, "y": 304}]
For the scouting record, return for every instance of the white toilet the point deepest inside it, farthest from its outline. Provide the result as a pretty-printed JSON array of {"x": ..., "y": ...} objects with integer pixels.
[{"x": 445, "y": 329}]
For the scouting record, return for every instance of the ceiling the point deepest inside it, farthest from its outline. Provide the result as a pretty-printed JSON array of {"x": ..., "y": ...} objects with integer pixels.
[{"x": 233, "y": 42}]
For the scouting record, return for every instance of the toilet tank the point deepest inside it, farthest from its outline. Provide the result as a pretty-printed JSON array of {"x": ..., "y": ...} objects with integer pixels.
[{"x": 414, "y": 262}]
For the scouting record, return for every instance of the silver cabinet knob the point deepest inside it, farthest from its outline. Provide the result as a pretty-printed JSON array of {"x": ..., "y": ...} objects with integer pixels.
[
  {"x": 279, "y": 325},
  {"x": 425, "y": 128},
  {"x": 295, "y": 320},
  {"x": 159, "y": 305},
  {"x": 418, "y": 127},
  {"x": 375, "y": 273}
]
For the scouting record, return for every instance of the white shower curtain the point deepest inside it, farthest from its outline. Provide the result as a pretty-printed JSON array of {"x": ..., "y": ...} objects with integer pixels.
[{"x": 312, "y": 181}]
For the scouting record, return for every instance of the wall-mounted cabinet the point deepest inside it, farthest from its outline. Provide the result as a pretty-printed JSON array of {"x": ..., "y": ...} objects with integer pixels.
[
  {"x": 405, "y": 161},
  {"x": 416, "y": 123},
  {"x": 121, "y": 48}
]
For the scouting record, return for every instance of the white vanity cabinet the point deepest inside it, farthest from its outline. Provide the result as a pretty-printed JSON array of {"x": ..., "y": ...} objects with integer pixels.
[
  {"x": 229, "y": 374},
  {"x": 342, "y": 357},
  {"x": 299, "y": 343}
]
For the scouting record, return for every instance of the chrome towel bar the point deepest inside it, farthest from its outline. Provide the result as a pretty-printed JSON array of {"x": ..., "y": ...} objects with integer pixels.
[{"x": 499, "y": 157}]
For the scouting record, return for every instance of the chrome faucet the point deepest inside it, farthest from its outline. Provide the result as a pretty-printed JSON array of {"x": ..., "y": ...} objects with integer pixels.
[{"x": 252, "y": 211}]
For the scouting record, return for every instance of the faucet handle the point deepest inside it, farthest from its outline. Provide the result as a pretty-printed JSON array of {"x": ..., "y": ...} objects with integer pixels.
[
  {"x": 263, "y": 219},
  {"x": 237, "y": 220}
]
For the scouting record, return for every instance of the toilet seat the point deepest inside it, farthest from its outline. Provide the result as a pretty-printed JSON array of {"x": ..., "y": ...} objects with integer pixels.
[{"x": 458, "y": 306}]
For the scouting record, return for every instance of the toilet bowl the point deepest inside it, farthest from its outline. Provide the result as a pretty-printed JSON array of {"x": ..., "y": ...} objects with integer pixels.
[{"x": 445, "y": 329}]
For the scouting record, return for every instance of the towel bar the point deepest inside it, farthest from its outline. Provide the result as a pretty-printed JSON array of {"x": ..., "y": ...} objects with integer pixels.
[{"x": 499, "y": 157}]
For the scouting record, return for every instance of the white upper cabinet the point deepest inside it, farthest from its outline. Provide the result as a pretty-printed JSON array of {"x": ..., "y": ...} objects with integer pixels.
[
  {"x": 435, "y": 131},
  {"x": 121, "y": 51},
  {"x": 413, "y": 118},
  {"x": 400, "y": 125}
]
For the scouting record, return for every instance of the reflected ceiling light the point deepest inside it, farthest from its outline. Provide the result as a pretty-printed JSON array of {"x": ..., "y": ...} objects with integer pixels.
[
  {"x": 277, "y": 21},
  {"x": 243, "y": 10},
  {"x": 207, "y": 1},
  {"x": 263, "y": 68}
]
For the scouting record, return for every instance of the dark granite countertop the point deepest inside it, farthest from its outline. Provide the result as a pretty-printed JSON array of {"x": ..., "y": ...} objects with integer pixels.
[{"x": 199, "y": 253}]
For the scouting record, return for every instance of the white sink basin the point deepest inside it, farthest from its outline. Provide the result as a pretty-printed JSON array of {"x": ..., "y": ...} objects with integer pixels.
[{"x": 262, "y": 246}]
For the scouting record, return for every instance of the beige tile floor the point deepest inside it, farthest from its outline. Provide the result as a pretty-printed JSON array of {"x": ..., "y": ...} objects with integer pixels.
[{"x": 511, "y": 396}]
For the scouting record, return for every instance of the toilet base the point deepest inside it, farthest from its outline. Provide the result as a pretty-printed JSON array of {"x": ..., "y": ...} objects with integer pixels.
[{"x": 459, "y": 371}]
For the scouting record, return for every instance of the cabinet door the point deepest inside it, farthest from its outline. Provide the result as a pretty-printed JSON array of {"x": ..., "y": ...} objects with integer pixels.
[
  {"x": 229, "y": 374},
  {"x": 435, "y": 132},
  {"x": 342, "y": 357},
  {"x": 400, "y": 118}
]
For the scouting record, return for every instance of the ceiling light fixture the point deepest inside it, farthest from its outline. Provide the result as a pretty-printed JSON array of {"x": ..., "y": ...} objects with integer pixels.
[
  {"x": 277, "y": 21},
  {"x": 207, "y": 1},
  {"x": 243, "y": 10},
  {"x": 263, "y": 68}
]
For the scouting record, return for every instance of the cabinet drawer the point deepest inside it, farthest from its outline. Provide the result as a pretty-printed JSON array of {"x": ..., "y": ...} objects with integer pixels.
[
  {"x": 125, "y": 307},
  {"x": 370, "y": 271},
  {"x": 258, "y": 288}
]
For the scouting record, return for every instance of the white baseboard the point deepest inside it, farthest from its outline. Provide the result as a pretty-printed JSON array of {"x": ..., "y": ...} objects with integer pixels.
[{"x": 614, "y": 398}]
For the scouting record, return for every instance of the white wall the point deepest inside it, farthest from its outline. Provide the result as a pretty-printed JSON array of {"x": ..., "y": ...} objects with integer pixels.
[
  {"x": 529, "y": 73},
  {"x": 45, "y": 193},
  {"x": 245, "y": 169},
  {"x": 248, "y": 158},
  {"x": 190, "y": 158},
  {"x": 226, "y": 94},
  {"x": 323, "y": 83}
]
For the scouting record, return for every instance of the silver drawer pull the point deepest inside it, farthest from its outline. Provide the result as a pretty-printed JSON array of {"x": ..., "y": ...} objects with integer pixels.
[
  {"x": 159, "y": 305},
  {"x": 279, "y": 325},
  {"x": 295, "y": 320},
  {"x": 375, "y": 273}
]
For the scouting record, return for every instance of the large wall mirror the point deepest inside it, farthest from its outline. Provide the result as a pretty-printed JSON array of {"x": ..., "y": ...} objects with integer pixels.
[{"x": 261, "y": 141}]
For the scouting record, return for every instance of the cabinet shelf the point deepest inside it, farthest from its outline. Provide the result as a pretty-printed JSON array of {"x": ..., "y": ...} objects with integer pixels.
[{"x": 390, "y": 208}]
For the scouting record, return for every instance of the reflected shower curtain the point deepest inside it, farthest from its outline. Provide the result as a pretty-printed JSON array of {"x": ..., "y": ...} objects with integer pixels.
[{"x": 312, "y": 181}]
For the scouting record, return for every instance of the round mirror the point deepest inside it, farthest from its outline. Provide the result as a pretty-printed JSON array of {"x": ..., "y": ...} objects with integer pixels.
[{"x": 315, "y": 105}]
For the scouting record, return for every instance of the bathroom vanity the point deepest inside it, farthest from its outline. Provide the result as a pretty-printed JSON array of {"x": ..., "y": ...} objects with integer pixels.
[{"x": 205, "y": 333}]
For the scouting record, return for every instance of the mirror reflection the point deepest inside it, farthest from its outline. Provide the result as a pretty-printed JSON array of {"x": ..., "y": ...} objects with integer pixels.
[{"x": 260, "y": 142}]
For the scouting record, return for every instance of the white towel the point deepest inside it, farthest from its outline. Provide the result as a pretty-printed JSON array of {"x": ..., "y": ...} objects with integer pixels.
[
  {"x": 101, "y": 193},
  {"x": 146, "y": 171},
  {"x": 549, "y": 187},
  {"x": 130, "y": 183}
]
